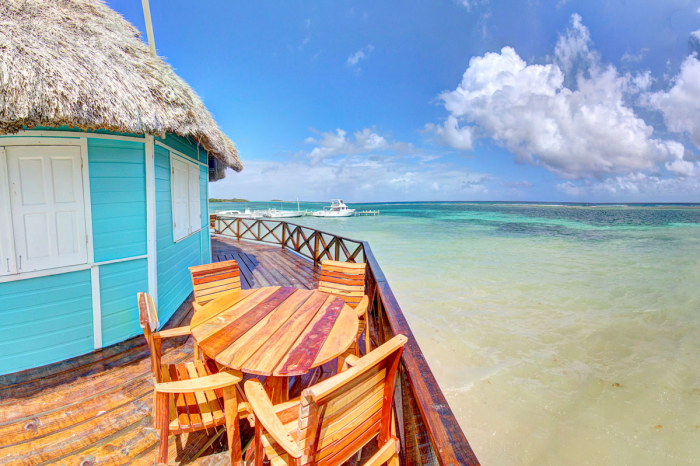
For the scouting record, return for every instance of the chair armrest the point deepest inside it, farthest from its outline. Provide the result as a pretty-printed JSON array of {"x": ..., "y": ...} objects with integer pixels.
[
  {"x": 173, "y": 332},
  {"x": 210, "y": 382},
  {"x": 362, "y": 306},
  {"x": 265, "y": 413}
]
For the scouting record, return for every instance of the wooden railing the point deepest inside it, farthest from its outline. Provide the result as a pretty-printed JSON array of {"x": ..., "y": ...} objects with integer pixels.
[
  {"x": 427, "y": 428},
  {"x": 312, "y": 244}
]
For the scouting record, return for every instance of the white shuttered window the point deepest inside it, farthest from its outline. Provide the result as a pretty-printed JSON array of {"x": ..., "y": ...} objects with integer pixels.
[
  {"x": 187, "y": 215},
  {"x": 46, "y": 227}
]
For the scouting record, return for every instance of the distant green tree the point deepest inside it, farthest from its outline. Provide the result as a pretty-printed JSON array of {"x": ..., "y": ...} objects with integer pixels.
[{"x": 235, "y": 199}]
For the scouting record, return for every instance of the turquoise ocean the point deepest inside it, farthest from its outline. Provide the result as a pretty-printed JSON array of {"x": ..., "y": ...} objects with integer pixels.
[{"x": 561, "y": 334}]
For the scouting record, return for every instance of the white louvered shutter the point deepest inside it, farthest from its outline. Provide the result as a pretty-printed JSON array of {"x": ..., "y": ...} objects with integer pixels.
[
  {"x": 48, "y": 212},
  {"x": 180, "y": 194},
  {"x": 195, "y": 205}
]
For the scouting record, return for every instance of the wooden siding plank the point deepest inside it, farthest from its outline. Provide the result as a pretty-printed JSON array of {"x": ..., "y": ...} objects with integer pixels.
[
  {"x": 45, "y": 320},
  {"x": 117, "y": 172}
]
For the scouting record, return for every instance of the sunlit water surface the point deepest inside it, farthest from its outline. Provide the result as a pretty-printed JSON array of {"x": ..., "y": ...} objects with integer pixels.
[{"x": 560, "y": 335}]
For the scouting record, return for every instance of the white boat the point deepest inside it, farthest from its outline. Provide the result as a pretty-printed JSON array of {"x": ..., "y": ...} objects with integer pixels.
[
  {"x": 274, "y": 213},
  {"x": 336, "y": 209},
  {"x": 238, "y": 214}
]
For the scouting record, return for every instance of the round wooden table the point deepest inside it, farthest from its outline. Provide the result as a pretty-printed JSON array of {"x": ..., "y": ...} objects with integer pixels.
[{"x": 275, "y": 331}]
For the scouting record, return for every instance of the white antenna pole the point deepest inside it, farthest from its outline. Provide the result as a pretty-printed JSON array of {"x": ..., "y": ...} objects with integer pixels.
[{"x": 149, "y": 27}]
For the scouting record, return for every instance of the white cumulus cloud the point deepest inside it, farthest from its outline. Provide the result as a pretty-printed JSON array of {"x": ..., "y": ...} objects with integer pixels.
[
  {"x": 584, "y": 130},
  {"x": 680, "y": 105},
  {"x": 451, "y": 133}
]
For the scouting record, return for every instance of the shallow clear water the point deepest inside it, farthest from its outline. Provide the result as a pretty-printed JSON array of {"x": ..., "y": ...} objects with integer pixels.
[{"x": 561, "y": 335}]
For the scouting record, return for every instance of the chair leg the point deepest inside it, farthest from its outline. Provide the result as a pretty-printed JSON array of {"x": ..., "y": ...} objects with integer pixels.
[
  {"x": 232, "y": 431},
  {"x": 394, "y": 460},
  {"x": 163, "y": 424},
  {"x": 341, "y": 362},
  {"x": 387, "y": 453},
  {"x": 259, "y": 453},
  {"x": 196, "y": 351},
  {"x": 367, "y": 341}
]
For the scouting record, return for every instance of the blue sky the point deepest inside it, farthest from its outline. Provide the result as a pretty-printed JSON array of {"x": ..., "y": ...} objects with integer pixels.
[{"x": 445, "y": 100}]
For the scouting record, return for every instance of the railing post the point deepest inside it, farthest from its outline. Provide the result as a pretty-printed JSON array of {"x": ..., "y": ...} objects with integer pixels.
[
  {"x": 238, "y": 229},
  {"x": 316, "y": 245},
  {"x": 284, "y": 238}
]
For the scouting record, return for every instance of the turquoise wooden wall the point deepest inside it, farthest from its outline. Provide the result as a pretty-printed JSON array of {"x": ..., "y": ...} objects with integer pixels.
[
  {"x": 119, "y": 283},
  {"x": 204, "y": 195},
  {"x": 187, "y": 147},
  {"x": 174, "y": 283},
  {"x": 118, "y": 191},
  {"x": 44, "y": 320},
  {"x": 49, "y": 319}
]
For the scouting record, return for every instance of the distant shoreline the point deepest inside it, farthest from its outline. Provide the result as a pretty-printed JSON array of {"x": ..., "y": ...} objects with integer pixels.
[
  {"x": 228, "y": 200},
  {"x": 692, "y": 205}
]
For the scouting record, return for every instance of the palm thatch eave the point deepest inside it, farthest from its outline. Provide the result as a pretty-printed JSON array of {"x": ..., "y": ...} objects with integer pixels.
[{"x": 78, "y": 63}]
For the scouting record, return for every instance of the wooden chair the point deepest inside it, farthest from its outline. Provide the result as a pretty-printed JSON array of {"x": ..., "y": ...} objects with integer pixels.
[
  {"x": 189, "y": 396},
  {"x": 347, "y": 280},
  {"x": 335, "y": 418},
  {"x": 212, "y": 280}
]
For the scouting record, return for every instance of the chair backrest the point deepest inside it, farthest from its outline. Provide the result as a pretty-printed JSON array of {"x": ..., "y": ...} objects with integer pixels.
[
  {"x": 340, "y": 415},
  {"x": 343, "y": 279},
  {"x": 148, "y": 320},
  {"x": 212, "y": 280}
]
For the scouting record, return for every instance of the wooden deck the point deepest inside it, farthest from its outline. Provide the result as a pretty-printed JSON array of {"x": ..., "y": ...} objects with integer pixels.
[{"x": 96, "y": 409}]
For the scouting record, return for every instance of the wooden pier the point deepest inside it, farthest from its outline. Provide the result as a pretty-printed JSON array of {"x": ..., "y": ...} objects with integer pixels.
[
  {"x": 366, "y": 212},
  {"x": 98, "y": 408}
]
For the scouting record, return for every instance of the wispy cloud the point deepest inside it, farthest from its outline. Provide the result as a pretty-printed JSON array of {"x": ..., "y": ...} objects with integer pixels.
[
  {"x": 355, "y": 178},
  {"x": 307, "y": 36},
  {"x": 338, "y": 142},
  {"x": 634, "y": 57},
  {"x": 516, "y": 184},
  {"x": 362, "y": 54},
  {"x": 365, "y": 165},
  {"x": 466, "y": 4}
]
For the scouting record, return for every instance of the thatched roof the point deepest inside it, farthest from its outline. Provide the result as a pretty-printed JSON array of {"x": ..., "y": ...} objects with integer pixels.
[{"x": 80, "y": 64}]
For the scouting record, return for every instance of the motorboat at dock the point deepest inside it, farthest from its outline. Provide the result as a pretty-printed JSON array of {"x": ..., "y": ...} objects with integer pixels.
[{"x": 336, "y": 209}]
